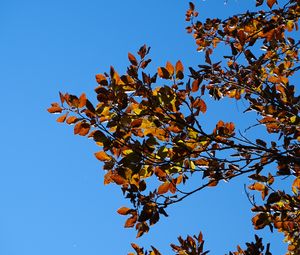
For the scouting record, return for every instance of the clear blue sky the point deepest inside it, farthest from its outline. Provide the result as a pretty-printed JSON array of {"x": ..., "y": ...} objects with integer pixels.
[{"x": 51, "y": 189}]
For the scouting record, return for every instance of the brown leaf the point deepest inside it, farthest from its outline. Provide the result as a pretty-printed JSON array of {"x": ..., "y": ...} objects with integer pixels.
[
  {"x": 136, "y": 123},
  {"x": 163, "y": 73},
  {"x": 195, "y": 85},
  {"x": 132, "y": 59}
]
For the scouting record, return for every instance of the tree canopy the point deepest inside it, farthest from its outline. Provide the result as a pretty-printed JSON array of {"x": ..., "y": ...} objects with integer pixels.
[{"x": 152, "y": 141}]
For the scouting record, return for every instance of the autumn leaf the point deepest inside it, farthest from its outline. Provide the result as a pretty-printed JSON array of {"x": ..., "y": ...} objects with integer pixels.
[
  {"x": 124, "y": 210},
  {"x": 101, "y": 79},
  {"x": 195, "y": 85},
  {"x": 82, "y": 128},
  {"x": 82, "y": 100},
  {"x": 62, "y": 118},
  {"x": 72, "y": 120},
  {"x": 270, "y": 3},
  {"x": 136, "y": 123},
  {"x": 296, "y": 186},
  {"x": 132, "y": 59},
  {"x": 170, "y": 68},
  {"x": 55, "y": 108},
  {"x": 130, "y": 222},
  {"x": 163, "y": 73},
  {"x": 163, "y": 188},
  {"x": 102, "y": 156}
]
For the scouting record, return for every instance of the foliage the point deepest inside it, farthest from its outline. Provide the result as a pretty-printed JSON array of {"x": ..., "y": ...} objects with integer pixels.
[{"x": 149, "y": 129}]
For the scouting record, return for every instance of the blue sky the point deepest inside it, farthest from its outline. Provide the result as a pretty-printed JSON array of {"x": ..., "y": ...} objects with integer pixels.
[{"x": 51, "y": 189}]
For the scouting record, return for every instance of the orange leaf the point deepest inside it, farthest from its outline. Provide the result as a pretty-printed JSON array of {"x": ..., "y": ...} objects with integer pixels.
[
  {"x": 170, "y": 68},
  {"x": 82, "y": 100},
  {"x": 163, "y": 188},
  {"x": 132, "y": 59},
  {"x": 62, "y": 118},
  {"x": 55, "y": 108},
  {"x": 62, "y": 98},
  {"x": 102, "y": 156},
  {"x": 179, "y": 70},
  {"x": 82, "y": 128},
  {"x": 119, "y": 180},
  {"x": 203, "y": 106},
  {"x": 296, "y": 186},
  {"x": 71, "y": 120},
  {"x": 172, "y": 188},
  {"x": 179, "y": 66},
  {"x": 124, "y": 210},
  {"x": 130, "y": 221},
  {"x": 270, "y": 3},
  {"x": 101, "y": 79},
  {"x": 257, "y": 186},
  {"x": 213, "y": 183},
  {"x": 195, "y": 85}
]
